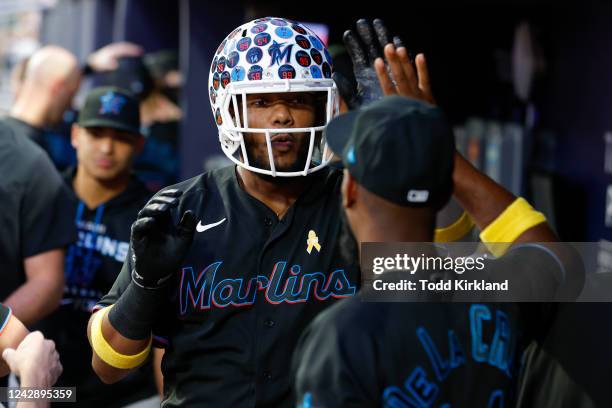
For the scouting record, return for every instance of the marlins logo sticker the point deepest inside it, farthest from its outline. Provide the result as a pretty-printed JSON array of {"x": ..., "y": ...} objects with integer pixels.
[{"x": 278, "y": 52}]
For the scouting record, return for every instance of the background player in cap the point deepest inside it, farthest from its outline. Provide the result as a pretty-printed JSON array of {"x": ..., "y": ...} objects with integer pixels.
[{"x": 107, "y": 198}]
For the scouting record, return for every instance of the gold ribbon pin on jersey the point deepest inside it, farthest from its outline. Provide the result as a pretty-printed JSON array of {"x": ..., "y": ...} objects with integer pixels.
[{"x": 313, "y": 241}]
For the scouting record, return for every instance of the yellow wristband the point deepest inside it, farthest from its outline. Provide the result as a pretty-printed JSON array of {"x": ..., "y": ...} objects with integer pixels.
[
  {"x": 456, "y": 230},
  {"x": 106, "y": 352},
  {"x": 517, "y": 218}
]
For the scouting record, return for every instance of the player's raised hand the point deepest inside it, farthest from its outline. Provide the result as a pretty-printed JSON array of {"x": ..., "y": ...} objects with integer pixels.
[
  {"x": 381, "y": 67},
  {"x": 158, "y": 246},
  {"x": 398, "y": 76}
]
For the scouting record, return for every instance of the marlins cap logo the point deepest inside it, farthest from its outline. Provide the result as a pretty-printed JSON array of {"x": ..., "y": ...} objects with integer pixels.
[{"x": 111, "y": 103}]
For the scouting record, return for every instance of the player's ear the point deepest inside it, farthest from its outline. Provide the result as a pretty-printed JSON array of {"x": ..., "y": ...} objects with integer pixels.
[{"x": 349, "y": 190}]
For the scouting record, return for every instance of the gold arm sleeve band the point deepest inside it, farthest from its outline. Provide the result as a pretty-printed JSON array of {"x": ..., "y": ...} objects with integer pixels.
[
  {"x": 106, "y": 352},
  {"x": 517, "y": 218},
  {"x": 456, "y": 230}
]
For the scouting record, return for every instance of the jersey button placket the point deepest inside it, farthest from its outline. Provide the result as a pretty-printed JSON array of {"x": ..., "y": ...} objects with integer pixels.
[{"x": 269, "y": 323}]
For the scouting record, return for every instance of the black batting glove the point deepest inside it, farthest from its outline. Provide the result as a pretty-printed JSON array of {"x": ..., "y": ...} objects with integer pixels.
[
  {"x": 158, "y": 246},
  {"x": 364, "y": 47}
]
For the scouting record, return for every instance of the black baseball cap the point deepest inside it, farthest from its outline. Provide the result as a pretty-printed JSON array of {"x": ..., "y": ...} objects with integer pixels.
[
  {"x": 398, "y": 148},
  {"x": 111, "y": 107}
]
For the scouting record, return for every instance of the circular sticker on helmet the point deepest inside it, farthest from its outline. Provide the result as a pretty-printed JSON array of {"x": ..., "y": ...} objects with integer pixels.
[
  {"x": 284, "y": 32},
  {"x": 254, "y": 55},
  {"x": 326, "y": 70},
  {"x": 232, "y": 59},
  {"x": 316, "y": 72},
  {"x": 302, "y": 58},
  {"x": 216, "y": 80},
  {"x": 302, "y": 41},
  {"x": 298, "y": 28},
  {"x": 218, "y": 118},
  {"x": 238, "y": 74},
  {"x": 278, "y": 22},
  {"x": 315, "y": 42},
  {"x": 262, "y": 20},
  {"x": 243, "y": 44},
  {"x": 221, "y": 46},
  {"x": 255, "y": 73},
  {"x": 262, "y": 39},
  {"x": 213, "y": 95},
  {"x": 259, "y": 28},
  {"x": 225, "y": 79},
  {"x": 316, "y": 56},
  {"x": 214, "y": 65},
  {"x": 286, "y": 72},
  {"x": 220, "y": 64}
]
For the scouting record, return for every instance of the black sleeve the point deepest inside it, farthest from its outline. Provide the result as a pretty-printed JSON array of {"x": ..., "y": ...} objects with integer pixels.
[
  {"x": 5, "y": 315},
  {"x": 328, "y": 366},
  {"x": 47, "y": 210},
  {"x": 160, "y": 331},
  {"x": 534, "y": 272}
]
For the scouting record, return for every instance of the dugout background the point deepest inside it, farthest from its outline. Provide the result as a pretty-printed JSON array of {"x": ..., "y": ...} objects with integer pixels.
[{"x": 468, "y": 44}]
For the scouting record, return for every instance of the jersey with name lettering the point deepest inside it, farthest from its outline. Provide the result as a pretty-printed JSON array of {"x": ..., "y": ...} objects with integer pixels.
[
  {"x": 248, "y": 286},
  {"x": 420, "y": 354}
]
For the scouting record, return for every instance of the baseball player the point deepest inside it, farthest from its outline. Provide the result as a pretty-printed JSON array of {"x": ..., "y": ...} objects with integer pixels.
[
  {"x": 227, "y": 268},
  {"x": 107, "y": 198},
  {"x": 410, "y": 354}
]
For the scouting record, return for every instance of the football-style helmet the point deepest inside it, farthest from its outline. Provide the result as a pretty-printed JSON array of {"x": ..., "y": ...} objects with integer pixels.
[{"x": 270, "y": 55}]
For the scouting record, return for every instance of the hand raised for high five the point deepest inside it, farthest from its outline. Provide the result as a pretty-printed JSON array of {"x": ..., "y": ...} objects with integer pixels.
[{"x": 381, "y": 67}]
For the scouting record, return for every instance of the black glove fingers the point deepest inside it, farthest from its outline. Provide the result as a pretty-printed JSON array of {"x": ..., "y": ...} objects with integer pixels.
[
  {"x": 154, "y": 210},
  {"x": 355, "y": 51},
  {"x": 161, "y": 199},
  {"x": 142, "y": 227},
  {"x": 172, "y": 192},
  {"x": 367, "y": 36},
  {"x": 381, "y": 32}
]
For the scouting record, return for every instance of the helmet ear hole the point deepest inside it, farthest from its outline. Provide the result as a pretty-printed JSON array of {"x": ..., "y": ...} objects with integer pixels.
[{"x": 244, "y": 33}]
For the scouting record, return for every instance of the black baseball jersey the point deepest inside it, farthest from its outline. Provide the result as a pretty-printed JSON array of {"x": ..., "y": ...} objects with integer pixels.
[
  {"x": 5, "y": 315},
  {"x": 248, "y": 286},
  {"x": 410, "y": 354},
  {"x": 35, "y": 210},
  {"x": 91, "y": 266}
]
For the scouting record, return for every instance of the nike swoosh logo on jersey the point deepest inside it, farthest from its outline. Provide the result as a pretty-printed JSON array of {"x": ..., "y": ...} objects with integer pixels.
[{"x": 202, "y": 228}]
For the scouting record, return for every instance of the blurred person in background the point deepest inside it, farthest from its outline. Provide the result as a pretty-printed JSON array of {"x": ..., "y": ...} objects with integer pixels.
[
  {"x": 155, "y": 80},
  {"x": 48, "y": 123},
  {"x": 108, "y": 197}
]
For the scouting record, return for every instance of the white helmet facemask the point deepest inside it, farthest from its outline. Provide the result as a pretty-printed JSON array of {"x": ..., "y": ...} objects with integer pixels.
[{"x": 265, "y": 56}]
